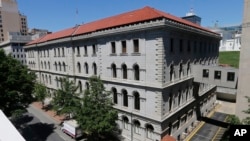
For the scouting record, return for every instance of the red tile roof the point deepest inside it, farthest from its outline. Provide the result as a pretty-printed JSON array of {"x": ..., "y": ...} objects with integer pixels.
[{"x": 144, "y": 14}]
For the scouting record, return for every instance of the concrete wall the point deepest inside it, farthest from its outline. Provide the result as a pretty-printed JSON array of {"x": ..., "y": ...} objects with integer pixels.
[{"x": 244, "y": 72}]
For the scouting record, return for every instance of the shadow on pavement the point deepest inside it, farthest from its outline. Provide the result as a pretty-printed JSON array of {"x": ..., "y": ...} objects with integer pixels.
[
  {"x": 22, "y": 120},
  {"x": 37, "y": 131},
  {"x": 215, "y": 122}
]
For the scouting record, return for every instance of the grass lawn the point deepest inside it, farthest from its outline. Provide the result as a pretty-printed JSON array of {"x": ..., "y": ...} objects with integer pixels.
[{"x": 230, "y": 57}]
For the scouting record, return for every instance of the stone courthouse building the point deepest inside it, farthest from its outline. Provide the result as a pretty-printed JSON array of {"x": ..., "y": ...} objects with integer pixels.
[{"x": 145, "y": 58}]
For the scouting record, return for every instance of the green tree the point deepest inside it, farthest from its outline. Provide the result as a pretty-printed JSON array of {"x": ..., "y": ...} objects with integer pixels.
[
  {"x": 40, "y": 92},
  {"x": 96, "y": 115},
  {"x": 233, "y": 120},
  {"x": 66, "y": 100},
  {"x": 16, "y": 84}
]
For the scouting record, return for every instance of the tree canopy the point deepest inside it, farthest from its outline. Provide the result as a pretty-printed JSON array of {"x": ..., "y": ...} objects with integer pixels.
[
  {"x": 16, "y": 84},
  {"x": 40, "y": 92},
  {"x": 96, "y": 115},
  {"x": 66, "y": 99}
]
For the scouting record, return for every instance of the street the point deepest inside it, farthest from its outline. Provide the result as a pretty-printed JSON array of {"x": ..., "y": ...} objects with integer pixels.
[
  {"x": 35, "y": 125},
  {"x": 209, "y": 129}
]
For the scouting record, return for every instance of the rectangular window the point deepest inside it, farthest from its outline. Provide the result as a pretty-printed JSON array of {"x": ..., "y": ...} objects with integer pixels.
[
  {"x": 63, "y": 53},
  {"x": 205, "y": 73},
  {"x": 54, "y": 52},
  {"x": 137, "y": 129},
  {"x": 58, "y": 52},
  {"x": 113, "y": 48},
  {"x": 125, "y": 125},
  {"x": 78, "y": 51},
  {"x": 181, "y": 45},
  {"x": 94, "y": 49},
  {"x": 124, "y": 47},
  {"x": 171, "y": 45},
  {"x": 217, "y": 74},
  {"x": 85, "y": 50},
  {"x": 136, "y": 45},
  {"x": 230, "y": 76}
]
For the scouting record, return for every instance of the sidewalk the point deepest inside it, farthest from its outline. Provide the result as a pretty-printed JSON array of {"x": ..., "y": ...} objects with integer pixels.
[{"x": 50, "y": 113}]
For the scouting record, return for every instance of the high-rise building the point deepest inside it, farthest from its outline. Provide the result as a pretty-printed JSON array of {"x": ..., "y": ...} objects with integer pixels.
[
  {"x": 145, "y": 58},
  {"x": 11, "y": 20},
  {"x": 244, "y": 70}
]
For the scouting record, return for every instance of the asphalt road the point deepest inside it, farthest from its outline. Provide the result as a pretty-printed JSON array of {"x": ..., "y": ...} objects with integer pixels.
[
  {"x": 33, "y": 129},
  {"x": 37, "y": 126},
  {"x": 209, "y": 129}
]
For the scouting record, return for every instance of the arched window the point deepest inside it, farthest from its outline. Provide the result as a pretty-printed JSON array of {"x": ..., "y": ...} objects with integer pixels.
[
  {"x": 114, "y": 92},
  {"x": 43, "y": 78},
  {"x": 136, "y": 101},
  {"x": 137, "y": 125},
  {"x": 80, "y": 86},
  {"x": 61, "y": 82},
  {"x": 48, "y": 65},
  {"x": 180, "y": 70},
  {"x": 55, "y": 66},
  {"x": 208, "y": 61},
  {"x": 87, "y": 85},
  {"x": 124, "y": 71},
  {"x": 125, "y": 122},
  {"x": 188, "y": 68},
  {"x": 57, "y": 82},
  {"x": 113, "y": 69},
  {"x": 201, "y": 62},
  {"x": 46, "y": 78},
  {"x": 179, "y": 97},
  {"x": 60, "y": 66},
  {"x": 170, "y": 101},
  {"x": 79, "y": 67},
  {"x": 86, "y": 66},
  {"x": 64, "y": 67},
  {"x": 136, "y": 72},
  {"x": 45, "y": 65},
  {"x": 125, "y": 98},
  {"x": 41, "y": 64},
  {"x": 50, "y": 82},
  {"x": 171, "y": 72},
  {"x": 187, "y": 93},
  {"x": 150, "y": 131},
  {"x": 94, "y": 68}
]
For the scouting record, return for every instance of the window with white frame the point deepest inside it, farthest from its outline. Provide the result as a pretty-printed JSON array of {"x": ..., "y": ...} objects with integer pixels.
[
  {"x": 150, "y": 131},
  {"x": 137, "y": 125},
  {"x": 125, "y": 122}
]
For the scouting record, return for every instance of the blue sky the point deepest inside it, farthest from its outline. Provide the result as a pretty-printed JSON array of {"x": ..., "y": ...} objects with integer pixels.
[{"x": 56, "y": 15}]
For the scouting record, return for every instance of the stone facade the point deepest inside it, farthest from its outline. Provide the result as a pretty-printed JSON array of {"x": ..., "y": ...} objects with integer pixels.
[{"x": 148, "y": 68}]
